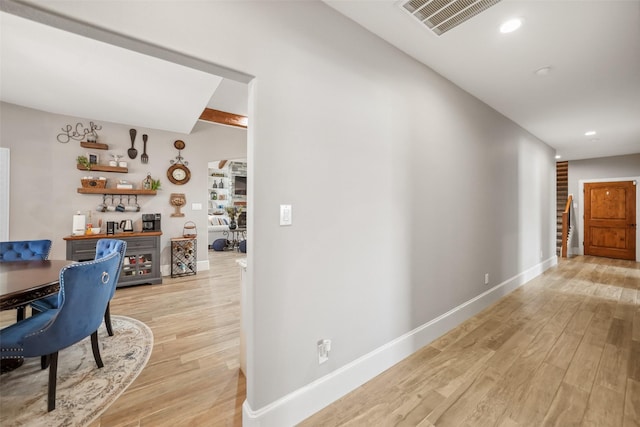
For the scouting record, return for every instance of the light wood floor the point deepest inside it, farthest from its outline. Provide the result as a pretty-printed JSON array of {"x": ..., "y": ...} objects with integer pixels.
[
  {"x": 563, "y": 350},
  {"x": 193, "y": 377}
]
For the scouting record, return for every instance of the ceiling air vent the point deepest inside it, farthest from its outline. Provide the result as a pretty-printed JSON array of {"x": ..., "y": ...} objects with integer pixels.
[{"x": 441, "y": 16}]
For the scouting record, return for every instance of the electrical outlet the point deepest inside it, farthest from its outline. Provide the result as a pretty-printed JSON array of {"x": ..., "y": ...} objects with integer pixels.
[
  {"x": 486, "y": 278},
  {"x": 324, "y": 347}
]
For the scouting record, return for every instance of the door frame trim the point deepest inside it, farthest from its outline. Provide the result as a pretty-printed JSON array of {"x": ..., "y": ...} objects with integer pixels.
[{"x": 580, "y": 196}]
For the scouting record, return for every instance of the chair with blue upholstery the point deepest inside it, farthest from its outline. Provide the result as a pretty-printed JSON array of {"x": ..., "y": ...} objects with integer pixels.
[
  {"x": 85, "y": 290},
  {"x": 104, "y": 247},
  {"x": 24, "y": 250}
]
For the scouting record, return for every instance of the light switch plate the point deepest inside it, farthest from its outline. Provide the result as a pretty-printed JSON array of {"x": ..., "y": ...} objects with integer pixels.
[
  {"x": 285, "y": 215},
  {"x": 196, "y": 206}
]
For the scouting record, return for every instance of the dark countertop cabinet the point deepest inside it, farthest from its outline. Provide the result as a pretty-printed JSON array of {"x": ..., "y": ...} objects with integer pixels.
[{"x": 141, "y": 263}]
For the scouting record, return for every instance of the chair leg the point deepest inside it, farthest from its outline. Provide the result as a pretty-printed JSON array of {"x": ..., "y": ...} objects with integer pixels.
[
  {"x": 107, "y": 321},
  {"x": 53, "y": 373},
  {"x": 96, "y": 349},
  {"x": 20, "y": 313},
  {"x": 44, "y": 361}
]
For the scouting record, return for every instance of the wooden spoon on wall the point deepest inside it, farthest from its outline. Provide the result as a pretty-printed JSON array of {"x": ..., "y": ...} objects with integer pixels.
[{"x": 132, "y": 152}]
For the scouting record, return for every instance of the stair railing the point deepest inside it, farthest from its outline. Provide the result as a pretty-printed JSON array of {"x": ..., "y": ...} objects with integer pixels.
[{"x": 566, "y": 224}]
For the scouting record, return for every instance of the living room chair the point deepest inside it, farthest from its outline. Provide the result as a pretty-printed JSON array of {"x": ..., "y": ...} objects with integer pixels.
[
  {"x": 104, "y": 247},
  {"x": 24, "y": 250},
  {"x": 85, "y": 290}
]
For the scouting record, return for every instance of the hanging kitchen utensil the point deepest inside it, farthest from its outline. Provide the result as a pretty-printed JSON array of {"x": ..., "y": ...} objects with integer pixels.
[
  {"x": 132, "y": 152},
  {"x": 144, "y": 158},
  {"x": 103, "y": 206}
]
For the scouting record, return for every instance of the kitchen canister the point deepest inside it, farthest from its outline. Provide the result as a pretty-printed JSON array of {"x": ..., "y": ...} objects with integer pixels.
[{"x": 79, "y": 224}]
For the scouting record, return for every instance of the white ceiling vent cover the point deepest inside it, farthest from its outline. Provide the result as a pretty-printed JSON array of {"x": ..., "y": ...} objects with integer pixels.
[{"x": 441, "y": 16}]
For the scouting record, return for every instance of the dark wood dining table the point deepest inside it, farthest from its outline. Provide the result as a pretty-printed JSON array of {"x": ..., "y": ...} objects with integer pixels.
[{"x": 24, "y": 281}]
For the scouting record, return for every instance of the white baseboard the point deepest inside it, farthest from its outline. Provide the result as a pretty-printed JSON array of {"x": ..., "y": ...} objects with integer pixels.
[
  {"x": 203, "y": 265},
  {"x": 306, "y": 401},
  {"x": 165, "y": 269}
]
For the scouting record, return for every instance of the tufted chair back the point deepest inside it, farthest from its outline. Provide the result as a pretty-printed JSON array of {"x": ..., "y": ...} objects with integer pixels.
[
  {"x": 106, "y": 247},
  {"x": 24, "y": 250},
  {"x": 84, "y": 294}
]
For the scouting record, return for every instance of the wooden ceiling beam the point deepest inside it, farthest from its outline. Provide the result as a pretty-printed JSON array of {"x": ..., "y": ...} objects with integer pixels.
[{"x": 224, "y": 118}]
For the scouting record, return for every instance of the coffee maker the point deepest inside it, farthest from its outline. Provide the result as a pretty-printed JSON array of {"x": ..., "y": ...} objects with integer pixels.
[
  {"x": 111, "y": 227},
  {"x": 151, "y": 222}
]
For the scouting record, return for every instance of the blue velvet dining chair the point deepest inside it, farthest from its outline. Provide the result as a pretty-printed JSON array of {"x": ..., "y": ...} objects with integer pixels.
[
  {"x": 85, "y": 290},
  {"x": 104, "y": 247},
  {"x": 24, "y": 250}
]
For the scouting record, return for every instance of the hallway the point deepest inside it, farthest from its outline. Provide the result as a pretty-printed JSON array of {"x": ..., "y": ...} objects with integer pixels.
[{"x": 564, "y": 349}]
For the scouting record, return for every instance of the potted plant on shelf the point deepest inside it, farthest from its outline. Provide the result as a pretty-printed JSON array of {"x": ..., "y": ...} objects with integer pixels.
[
  {"x": 84, "y": 161},
  {"x": 150, "y": 184}
]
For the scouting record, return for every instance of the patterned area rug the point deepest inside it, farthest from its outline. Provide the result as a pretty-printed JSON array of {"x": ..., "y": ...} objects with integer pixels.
[{"x": 83, "y": 391}]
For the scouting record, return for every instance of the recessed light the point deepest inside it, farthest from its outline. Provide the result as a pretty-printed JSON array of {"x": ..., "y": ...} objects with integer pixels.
[
  {"x": 510, "y": 25},
  {"x": 590, "y": 133},
  {"x": 558, "y": 156},
  {"x": 544, "y": 71}
]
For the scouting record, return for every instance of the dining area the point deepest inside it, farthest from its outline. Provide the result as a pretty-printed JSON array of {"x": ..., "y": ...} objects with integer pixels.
[
  {"x": 144, "y": 320},
  {"x": 57, "y": 302}
]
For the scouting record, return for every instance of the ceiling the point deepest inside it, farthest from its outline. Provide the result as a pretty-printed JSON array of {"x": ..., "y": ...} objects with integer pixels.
[
  {"x": 56, "y": 71},
  {"x": 47, "y": 68},
  {"x": 591, "y": 47},
  {"x": 232, "y": 97}
]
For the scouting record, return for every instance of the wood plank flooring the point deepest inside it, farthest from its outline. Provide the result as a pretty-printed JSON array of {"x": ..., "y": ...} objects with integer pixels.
[
  {"x": 193, "y": 377},
  {"x": 562, "y": 350}
]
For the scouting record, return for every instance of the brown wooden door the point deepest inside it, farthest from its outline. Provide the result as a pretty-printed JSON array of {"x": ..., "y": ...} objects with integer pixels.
[{"x": 610, "y": 219}]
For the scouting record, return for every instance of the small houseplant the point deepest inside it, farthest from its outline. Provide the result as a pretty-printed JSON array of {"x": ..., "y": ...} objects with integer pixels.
[
  {"x": 84, "y": 161},
  {"x": 233, "y": 212}
]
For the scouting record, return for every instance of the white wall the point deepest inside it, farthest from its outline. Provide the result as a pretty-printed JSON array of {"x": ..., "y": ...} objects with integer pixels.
[
  {"x": 5, "y": 155},
  {"x": 599, "y": 168},
  {"x": 44, "y": 177},
  {"x": 344, "y": 126}
]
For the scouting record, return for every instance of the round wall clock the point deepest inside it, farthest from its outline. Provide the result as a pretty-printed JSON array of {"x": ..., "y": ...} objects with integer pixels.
[{"x": 178, "y": 174}]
